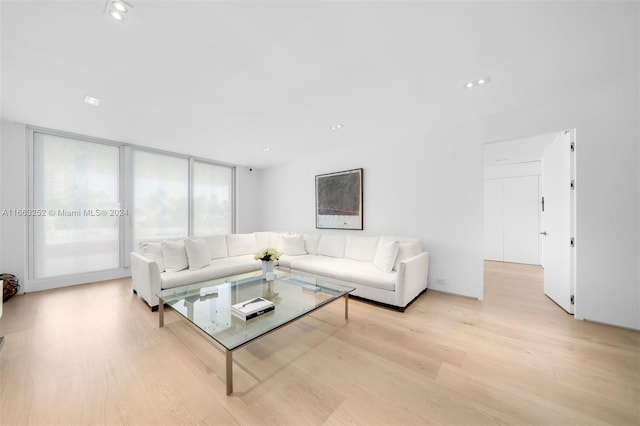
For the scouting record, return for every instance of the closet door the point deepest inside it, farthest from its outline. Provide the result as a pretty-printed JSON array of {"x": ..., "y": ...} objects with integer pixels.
[
  {"x": 521, "y": 222},
  {"x": 493, "y": 219}
]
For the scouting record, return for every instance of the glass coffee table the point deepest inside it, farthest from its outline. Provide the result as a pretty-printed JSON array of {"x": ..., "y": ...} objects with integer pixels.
[{"x": 207, "y": 305}]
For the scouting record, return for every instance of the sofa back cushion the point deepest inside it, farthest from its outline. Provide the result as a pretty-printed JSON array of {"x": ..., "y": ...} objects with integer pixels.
[
  {"x": 408, "y": 247},
  {"x": 239, "y": 244},
  {"x": 153, "y": 251},
  {"x": 311, "y": 243},
  {"x": 332, "y": 245},
  {"x": 197, "y": 253},
  {"x": 217, "y": 245},
  {"x": 264, "y": 240},
  {"x": 293, "y": 245},
  {"x": 361, "y": 248},
  {"x": 386, "y": 255},
  {"x": 175, "y": 256}
]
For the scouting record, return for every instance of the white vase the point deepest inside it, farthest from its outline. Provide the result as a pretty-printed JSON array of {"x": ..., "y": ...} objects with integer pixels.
[{"x": 267, "y": 270}]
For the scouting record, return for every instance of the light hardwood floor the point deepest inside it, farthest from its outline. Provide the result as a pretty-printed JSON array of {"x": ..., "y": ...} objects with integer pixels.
[{"x": 93, "y": 354}]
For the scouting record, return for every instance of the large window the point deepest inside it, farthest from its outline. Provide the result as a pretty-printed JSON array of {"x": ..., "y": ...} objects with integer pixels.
[
  {"x": 161, "y": 195},
  {"x": 92, "y": 201},
  {"x": 74, "y": 182}
]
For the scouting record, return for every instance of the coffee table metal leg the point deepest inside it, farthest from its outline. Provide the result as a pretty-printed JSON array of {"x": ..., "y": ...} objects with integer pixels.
[
  {"x": 346, "y": 306},
  {"x": 229, "y": 372},
  {"x": 161, "y": 312}
]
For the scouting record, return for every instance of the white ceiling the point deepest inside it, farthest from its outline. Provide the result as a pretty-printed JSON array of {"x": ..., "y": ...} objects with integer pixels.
[{"x": 225, "y": 79}]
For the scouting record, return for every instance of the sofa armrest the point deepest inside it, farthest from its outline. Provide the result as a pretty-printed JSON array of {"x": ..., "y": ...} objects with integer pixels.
[
  {"x": 412, "y": 277},
  {"x": 145, "y": 277}
]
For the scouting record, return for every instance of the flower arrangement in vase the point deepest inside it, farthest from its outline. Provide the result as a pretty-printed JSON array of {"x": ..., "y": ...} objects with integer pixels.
[{"x": 268, "y": 256}]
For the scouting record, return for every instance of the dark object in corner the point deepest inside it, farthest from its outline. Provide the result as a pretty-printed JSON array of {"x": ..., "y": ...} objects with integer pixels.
[{"x": 10, "y": 286}]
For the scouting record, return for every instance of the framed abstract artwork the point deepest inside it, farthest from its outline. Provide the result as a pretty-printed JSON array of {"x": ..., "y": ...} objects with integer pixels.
[{"x": 339, "y": 200}]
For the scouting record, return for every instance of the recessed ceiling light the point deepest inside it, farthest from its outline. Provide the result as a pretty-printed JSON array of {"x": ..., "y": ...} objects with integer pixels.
[
  {"x": 119, "y": 6},
  {"x": 116, "y": 15},
  {"x": 117, "y": 9},
  {"x": 336, "y": 127},
  {"x": 266, "y": 149},
  {"x": 91, "y": 100},
  {"x": 478, "y": 82}
]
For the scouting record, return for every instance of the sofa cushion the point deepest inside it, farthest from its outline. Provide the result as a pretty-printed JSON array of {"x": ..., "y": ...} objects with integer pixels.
[
  {"x": 406, "y": 250},
  {"x": 361, "y": 248},
  {"x": 153, "y": 251},
  {"x": 311, "y": 243},
  {"x": 364, "y": 273},
  {"x": 386, "y": 255},
  {"x": 285, "y": 261},
  {"x": 197, "y": 253},
  {"x": 175, "y": 256},
  {"x": 408, "y": 247},
  {"x": 219, "y": 268},
  {"x": 332, "y": 245},
  {"x": 239, "y": 244},
  {"x": 217, "y": 245},
  {"x": 276, "y": 241},
  {"x": 264, "y": 240},
  {"x": 293, "y": 245}
]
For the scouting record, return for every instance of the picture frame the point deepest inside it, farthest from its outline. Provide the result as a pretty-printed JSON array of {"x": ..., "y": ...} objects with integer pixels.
[{"x": 339, "y": 201}]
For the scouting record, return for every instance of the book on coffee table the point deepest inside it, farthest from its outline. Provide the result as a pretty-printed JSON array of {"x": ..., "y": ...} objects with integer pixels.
[{"x": 252, "y": 308}]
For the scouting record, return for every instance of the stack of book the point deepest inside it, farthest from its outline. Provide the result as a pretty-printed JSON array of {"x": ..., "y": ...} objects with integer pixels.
[{"x": 252, "y": 308}]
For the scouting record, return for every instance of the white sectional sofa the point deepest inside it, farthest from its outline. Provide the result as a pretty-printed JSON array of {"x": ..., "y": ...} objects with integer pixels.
[{"x": 388, "y": 270}]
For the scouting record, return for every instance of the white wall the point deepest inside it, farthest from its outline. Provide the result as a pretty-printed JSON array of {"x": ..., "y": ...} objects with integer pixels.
[
  {"x": 247, "y": 186},
  {"x": 427, "y": 187},
  {"x": 13, "y": 184},
  {"x": 431, "y": 187}
]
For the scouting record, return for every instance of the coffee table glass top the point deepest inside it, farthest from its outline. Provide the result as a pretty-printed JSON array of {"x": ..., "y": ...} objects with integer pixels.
[{"x": 208, "y": 304}]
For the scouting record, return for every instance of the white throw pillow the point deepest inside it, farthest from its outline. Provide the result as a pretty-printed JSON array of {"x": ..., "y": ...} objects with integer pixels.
[
  {"x": 276, "y": 241},
  {"x": 311, "y": 243},
  {"x": 407, "y": 249},
  {"x": 153, "y": 251},
  {"x": 239, "y": 244},
  {"x": 197, "y": 253},
  {"x": 332, "y": 245},
  {"x": 175, "y": 256},
  {"x": 293, "y": 245},
  {"x": 361, "y": 248},
  {"x": 217, "y": 245},
  {"x": 386, "y": 255}
]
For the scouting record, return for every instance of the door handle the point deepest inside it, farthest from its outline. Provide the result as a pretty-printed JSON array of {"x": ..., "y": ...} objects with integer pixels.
[{"x": 543, "y": 233}]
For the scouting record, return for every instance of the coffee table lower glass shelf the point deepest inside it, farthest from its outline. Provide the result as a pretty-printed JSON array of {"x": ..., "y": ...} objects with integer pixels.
[{"x": 208, "y": 306}]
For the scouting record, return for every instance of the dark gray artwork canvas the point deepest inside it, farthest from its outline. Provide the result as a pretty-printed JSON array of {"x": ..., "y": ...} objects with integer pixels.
[{"x": 339, "y": 200}]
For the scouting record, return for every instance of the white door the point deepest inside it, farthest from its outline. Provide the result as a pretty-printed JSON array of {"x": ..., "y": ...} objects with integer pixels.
[
  {"x": 521, "y": 222},
  {"x": 493, "y": 219},
  {"x": 558, "y": 219}
]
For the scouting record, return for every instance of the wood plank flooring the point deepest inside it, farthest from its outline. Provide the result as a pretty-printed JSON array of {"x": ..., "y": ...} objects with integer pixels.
[{"x": 93, "y": 354}]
